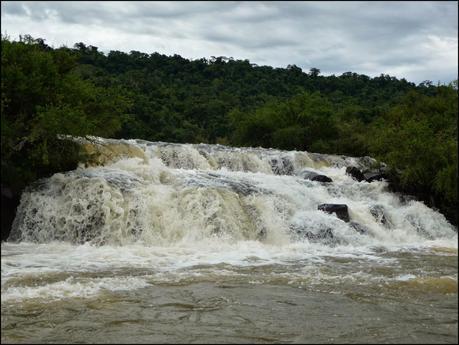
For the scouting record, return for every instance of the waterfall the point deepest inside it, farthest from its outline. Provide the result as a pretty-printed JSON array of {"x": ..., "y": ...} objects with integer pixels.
[{"x": 166, "y": 193}]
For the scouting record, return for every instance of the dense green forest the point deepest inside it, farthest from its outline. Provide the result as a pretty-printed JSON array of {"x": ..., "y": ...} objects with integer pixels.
[{"x": 47, "y": 91}]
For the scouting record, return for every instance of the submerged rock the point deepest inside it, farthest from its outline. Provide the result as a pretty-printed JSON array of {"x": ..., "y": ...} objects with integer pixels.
[
  {"x": 96, "y": 151},
  {"x": 322, "y": 178},
  {"x": 378, "y": 212},
  {"x": 313, "y": 176},
  {"x": 324, "y": 235},
  {"x": 368, "y": 175},
  {"x": 355, "y": 173},
  {"x": 374, "y": 176},
  {"x": 214, "y": 180},
  {"x": 405, "y": 198},
  {"x": 340, "y": 210},
  {"x": 282, "y": 166},
  {"x": 362, "y": 229}
]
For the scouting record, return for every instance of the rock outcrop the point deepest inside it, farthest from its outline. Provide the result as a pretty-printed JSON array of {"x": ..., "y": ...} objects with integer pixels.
[
  {"x": 340, "y": 210},
  {"x": 355, "y": 173},
  {"x": 374, "y": 176},
  {"x": 95, "y": 152},
  {"x": 10, "y": 202},
  {"x": 313, "y": 176},
  {"x": 379, "y": 214},
  {"x": 369, "y": 175}
]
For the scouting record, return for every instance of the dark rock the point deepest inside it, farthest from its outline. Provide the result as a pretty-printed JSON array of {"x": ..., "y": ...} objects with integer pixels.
[
  {"x": 362, "y": 229},
  {"x": 355, "y": 173},
  {"x": 374, "y": 176},
  {"x": 406, "y": 198},
  {"x": 10, "y": 202},
  {"x": 378, "y": 212},
  {"x": 322, "y": 178},
  {"x": 340, "y": 210},
  {"x": 313, "y": 176},
  {"x": 261, "y": 235}
]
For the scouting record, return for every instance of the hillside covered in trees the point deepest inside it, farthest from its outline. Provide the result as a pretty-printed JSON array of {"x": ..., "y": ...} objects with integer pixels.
[{"x": 81, "y": 91}]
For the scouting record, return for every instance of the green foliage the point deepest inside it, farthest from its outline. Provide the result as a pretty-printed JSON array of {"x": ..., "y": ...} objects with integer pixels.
[
  {"x": 41, "y": 98},
  {"x": 81, "y": 91},
  {"x": 297, "y": 123},
  {"x": 418, "y": 138}
]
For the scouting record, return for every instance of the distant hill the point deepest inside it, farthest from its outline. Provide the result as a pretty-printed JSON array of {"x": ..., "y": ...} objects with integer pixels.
[{"x": 81, "y": 91}]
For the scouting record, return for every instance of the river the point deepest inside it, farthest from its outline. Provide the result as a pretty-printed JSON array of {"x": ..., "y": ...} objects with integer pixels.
[{"x": 211, "y": 244}]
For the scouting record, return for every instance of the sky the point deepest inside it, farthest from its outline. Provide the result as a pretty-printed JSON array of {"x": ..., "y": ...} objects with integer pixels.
[{"x": 415, "y": 40}]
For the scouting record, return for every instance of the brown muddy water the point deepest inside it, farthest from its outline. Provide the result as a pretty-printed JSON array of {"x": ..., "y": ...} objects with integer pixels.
[{"x": 377, "y": 296}]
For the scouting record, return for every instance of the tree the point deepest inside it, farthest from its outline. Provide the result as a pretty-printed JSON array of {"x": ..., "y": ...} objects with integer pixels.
[
  {"x": 418, "y": 139},
  {"x": 41, "y": 98},
  {"x": 314, "y": 72}
]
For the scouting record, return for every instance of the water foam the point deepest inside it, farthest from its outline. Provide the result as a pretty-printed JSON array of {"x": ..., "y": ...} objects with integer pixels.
[
  {"x": 187, "y": 193},
  {"x": 72, "y": 287}
]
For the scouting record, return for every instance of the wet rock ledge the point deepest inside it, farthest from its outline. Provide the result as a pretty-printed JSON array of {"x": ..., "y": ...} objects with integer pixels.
[{"x": 95, "y": 151}]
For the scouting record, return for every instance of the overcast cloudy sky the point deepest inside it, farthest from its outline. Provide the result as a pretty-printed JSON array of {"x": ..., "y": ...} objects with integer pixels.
[{"x": 412, "y": 40}]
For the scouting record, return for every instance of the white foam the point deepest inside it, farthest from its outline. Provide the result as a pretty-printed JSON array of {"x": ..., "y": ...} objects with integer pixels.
[
  {"x": 188, "y": 206},
  {"x": 72, "y": 288},
  {"x": 405, "y": 277}
]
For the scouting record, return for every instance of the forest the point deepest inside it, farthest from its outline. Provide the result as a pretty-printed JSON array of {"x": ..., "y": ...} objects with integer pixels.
[{"x": 47, "y": 91}]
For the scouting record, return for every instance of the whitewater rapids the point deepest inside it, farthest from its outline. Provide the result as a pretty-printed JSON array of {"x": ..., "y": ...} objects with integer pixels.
[{"x": 202, "y": 217}]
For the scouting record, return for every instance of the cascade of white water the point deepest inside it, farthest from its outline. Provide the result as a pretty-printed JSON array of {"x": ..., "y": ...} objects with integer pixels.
[{"x": 188, "y": 193}]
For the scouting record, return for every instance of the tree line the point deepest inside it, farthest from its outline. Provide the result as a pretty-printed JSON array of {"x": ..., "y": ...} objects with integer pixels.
[{"x": 47, "y": 91}]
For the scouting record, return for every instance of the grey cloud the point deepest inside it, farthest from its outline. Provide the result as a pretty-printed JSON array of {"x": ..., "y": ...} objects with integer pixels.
[
  {"x": 14, "y": 8},
  {"x": 415, "y": 40},
  {"x": 251, "y": 44}
]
